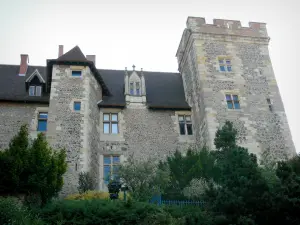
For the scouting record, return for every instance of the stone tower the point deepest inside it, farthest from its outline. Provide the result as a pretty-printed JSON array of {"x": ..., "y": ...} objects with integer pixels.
[
  {"x": 228, "y": 75},
  {"x": 73, "y": 116}
]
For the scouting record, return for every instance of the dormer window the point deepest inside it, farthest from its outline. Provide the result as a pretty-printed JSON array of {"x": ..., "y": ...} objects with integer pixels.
[
  {"x": 131, "y": 89},
  {"x": 35, "y": 90},
  {"x": 137, "y": 86},
  {"x": 34, "y": 84}
]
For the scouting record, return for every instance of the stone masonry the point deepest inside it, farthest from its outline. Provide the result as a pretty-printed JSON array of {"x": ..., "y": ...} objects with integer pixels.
[
  {"x": 152, "y": 133},
  {"x": 252, "y": 79}
]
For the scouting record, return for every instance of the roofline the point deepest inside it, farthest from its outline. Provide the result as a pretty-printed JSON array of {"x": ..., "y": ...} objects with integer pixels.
[
  {"x": 24, "y": 101},
  {"x": 36, "y": 73},
  {"x": 169, "y": 107},
  {"x": 51, "y": 62}
]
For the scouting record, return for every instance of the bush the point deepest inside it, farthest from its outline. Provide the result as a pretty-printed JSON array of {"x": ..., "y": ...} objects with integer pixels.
[
  {"x": 104, "y": 212},
  {"x": 86, "y": 182},
  {"x": 12, "y": 212},
  {"x": 89, "y": 195}
]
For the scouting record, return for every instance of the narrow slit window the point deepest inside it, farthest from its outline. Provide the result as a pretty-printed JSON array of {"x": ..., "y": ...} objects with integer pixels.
[
  {"x": 131, "y": 89},
  {"x": 270, "y": 104},
  {"x": 137, "y": 85},
  {"x": 42, "y": 121}
]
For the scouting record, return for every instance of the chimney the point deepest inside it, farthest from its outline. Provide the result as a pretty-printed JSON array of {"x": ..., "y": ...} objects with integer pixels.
[
  {"x": 24, "y": 64},
  {"x": 91, "y": 58},
  {"x": 60, "y": 50}
]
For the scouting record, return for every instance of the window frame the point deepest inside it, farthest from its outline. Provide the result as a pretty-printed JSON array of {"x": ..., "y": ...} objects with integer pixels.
[
  {"x": 38, "y": 93},
  {"x": 233, "y": 101},
  {"x": 74, "y": 73},
  {"x": 111, "y": 165},
  {"x": 131, "y": 88},
  {"x": 31, "y": 88},
  {"x": 75, "y": 103},
  {"x": 185, "y": 123},
  {"x": 137, "y": 88},
  {"x": 111, "y": 122},
  {"x": 35, "y": 89},
  {"x": 223, "y": 63},
  {"x": 42, "y": 119}
]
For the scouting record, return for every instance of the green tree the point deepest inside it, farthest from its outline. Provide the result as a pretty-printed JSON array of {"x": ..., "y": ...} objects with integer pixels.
[
  {"x": 32, "y": 170},
  {"x": 243, "y": 194},
  {"x": 185, "y": 170},
  {"x": 143, "y": 178},
  {"x": 85, "y": 182}
]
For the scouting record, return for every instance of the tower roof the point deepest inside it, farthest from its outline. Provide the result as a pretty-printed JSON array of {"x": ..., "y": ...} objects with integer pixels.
[{"x": 75, "y": 54}]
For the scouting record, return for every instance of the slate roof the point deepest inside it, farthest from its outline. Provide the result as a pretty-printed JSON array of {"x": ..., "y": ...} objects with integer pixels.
[
  {"x": 163, "y": 90},
  {"x": 13, "y": 88},
  {"x": 74, "y": 57}
]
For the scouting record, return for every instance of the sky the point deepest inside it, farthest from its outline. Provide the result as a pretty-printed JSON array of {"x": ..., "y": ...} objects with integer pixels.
[{"x": 145, "y": 33}]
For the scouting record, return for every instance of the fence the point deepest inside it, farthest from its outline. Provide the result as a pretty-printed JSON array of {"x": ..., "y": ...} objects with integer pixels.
[{"x": 158, "y": 200}]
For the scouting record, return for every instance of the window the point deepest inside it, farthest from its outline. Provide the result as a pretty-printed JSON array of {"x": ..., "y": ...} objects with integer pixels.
[
  {"x": 77, "y": 106},
  {"x": 42, "y": 122},
  {"x": 270, "y": 104},
  {"x": 76, "y": 73},
  {"x": 38, "y": 90},
  {"x": 111, "y": 165},
  {"x": 137, "y": 86},
  {"x": 232, "y": 101},
  {"x": 185, "y": 125},
  {"x": 35, "y": 90},
  {"x": 131, "y": 89},
  {"x": 110, "y": 123},
  {"x": 225, "y": 64}
]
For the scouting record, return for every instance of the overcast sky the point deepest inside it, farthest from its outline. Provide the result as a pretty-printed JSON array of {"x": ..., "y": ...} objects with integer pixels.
[{"x": 145, "y": 33}]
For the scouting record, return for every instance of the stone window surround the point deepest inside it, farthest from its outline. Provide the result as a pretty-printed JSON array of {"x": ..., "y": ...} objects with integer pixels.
[
  {"x": 112, "y": 137},
  {"x": 71, "y": 105},
  {"x": 111, "y": 122},
  {"x": 102, "y": 185},
  {"x": 77, "y": 68},
  {"x": 224, "y": 57},
  {"x": 34, "y": 122},
  {"x": 233, "y": 92},
  {"x": 183, "y": 138}
]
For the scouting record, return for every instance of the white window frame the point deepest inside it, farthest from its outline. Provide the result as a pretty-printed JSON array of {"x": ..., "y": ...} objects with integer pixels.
[
  {"x": 38, "y": 90},
  {"x": 110, "y": 122},
  {"x": 31, "y": 88},
  {"x": 185, "y": 122}
]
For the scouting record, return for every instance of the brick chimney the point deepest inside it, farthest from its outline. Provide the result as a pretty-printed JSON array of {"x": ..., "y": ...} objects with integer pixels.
[
  {"x": 91, "y": 58},
  {"x": 24, "y": 64},
  {"x": 60, "y": 50}
]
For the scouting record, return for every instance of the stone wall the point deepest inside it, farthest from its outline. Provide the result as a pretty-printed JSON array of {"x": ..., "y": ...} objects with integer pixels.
[
  {"x": 68, "y": 128},
  {"x": 144, "y": 134},
  {"x": 13, "y": 116},
  {"x": 252, "y": 79}
]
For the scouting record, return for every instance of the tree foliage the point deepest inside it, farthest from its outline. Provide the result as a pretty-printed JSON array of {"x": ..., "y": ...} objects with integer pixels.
[
  {"x": 85, "y": 182},
  {"x": 31, "y": 169},
  {"x": 143, "y": 178}
]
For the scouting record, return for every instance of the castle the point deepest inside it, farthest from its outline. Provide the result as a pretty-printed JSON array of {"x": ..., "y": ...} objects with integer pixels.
[{"x": 101, "y": 117}]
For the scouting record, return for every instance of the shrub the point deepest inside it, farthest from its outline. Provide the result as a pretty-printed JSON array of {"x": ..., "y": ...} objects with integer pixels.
[
  {"x": 89, "y": 195},
  {"x": 12, "y": 212},
  {"x": 32, "y": 169},
  {"x": 86, "y": 182},
  {"x": 104, "y": 212}
]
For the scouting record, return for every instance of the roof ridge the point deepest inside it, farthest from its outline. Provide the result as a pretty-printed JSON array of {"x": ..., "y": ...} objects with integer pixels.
[{"x": 140, "y": 71}]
